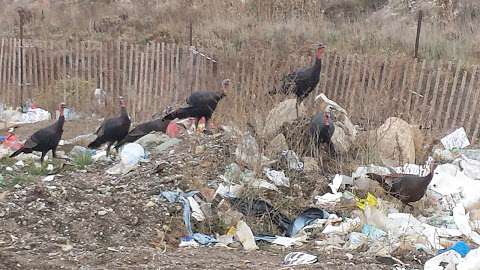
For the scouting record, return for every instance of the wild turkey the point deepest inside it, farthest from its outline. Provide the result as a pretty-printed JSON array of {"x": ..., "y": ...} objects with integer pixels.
[
  {"x": 303, "y": 81},
  {"x": 321, "y": 129},
  {"x": 407, "y": 188},
  {"x": 202, "y": 104},
  {"x": 45, "y": 139},
  {"x": 113, "y": 130},
  {"x": 144, "y": 129}
]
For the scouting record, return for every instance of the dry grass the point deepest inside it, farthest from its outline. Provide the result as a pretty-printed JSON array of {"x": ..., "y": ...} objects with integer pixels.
[{"x": 224, "y": 27}]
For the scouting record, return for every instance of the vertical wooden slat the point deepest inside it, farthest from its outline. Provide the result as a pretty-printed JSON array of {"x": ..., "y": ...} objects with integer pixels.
[
  {"x": 29, "y": 81},
  {"x": 10, "y": 71},
  {"x": 471, "y": 109},
  {"x": 402, "y": 100},
  {"x": 341, "y": 65},
  {"x": 136, "y": 80},
  {"x": 145, "y": 71},
  {"x": 100, "y": 65},
  {"x": 418, "y": 90},
  {"x": 466, "y": 106},
  {"x": 111, "y": 70},
  {"x": 162, "y": 71},
  {"x": 423, "y": 108},
  {"x": 24, "y": 72},
  {"x": 329, "y": 74},
  {"x": 156, "y": 75},
  {"x": 369, "y": 86},
  {"x": 2, "y": 71},
  {"x": 449, "y": 118},
  {"x": 324, "y": 74},
  {"x": 139, "y": 74},
  {"x": 171, "y": 53},
  {"x": 177, "y": 73},
  {"x": 461, "y": 95},
  {"x": 433, "y": 103},
  {"x": 440, "y": 110},
  {"x": 386, "y": 86},
  {"x": 15, "y": 73},
  {"x": 151, "y": 78},
  {"x": 358, "y": 89},
  {"x": 130, "y": 75},
  {"x": 77, "y": 70},
  {"x": 197, "y": 71},
  {"x": 342, "y": 90},
  {"x": 352, "y": 86},
  {"x": 352, "y": 75},
  {"x": 41, "y": 67},
  {"x": 83, "y": 67},
  {"x": 410, "y": 89},
  {"x": 124, "y": 83},
  {"x": 117, "y": 66},
  {"x": 35, "y": 63}
]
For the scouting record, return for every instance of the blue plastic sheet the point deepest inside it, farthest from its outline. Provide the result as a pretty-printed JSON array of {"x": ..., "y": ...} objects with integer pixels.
[
  {"x": 306, "y": 218},
  {"x": 175, "y": 196},
  {"x": 460, "y": 247}
]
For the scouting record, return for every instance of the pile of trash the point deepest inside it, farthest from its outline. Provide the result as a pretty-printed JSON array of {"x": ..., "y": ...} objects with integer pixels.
[{"x": 354, "y": 215}]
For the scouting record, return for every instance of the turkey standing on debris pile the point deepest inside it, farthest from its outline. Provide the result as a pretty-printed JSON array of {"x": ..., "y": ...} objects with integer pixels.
[
  {"x": 321, "y": 129},
  {"x": 303, "y": 81},
  {"x": 45, "y": 139},
  {"x": 144, "y": 129},
  {"x": 202, "y": 104},
  {"x": 112, "y": 130},
  {"x": 407, "y": 188}
]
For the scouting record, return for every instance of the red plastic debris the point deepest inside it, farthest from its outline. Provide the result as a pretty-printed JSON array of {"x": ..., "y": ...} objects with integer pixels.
[
  {"x": 12, "y": 142},
  {"x": 172, "y": 130}
]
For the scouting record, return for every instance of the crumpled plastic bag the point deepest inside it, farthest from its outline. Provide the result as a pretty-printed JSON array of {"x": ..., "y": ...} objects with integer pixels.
[
  {"x": 130, "y": 155},
  {"x": 244, "y": 234},
  {"x": 277, "y": 177},
  {"x": 444, "y": 261},
  {"x": 471, "y": 261},
  {"x": 299, "y": 258}
]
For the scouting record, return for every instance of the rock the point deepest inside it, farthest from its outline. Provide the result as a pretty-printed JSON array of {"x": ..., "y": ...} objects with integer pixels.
[
  {"x": 230, "y": 217},
  {"x": 200, "y": 149},
  {"x": 310, "y": 164},
  {"x": 152, "y": 139},
  {"x": 208, "y": 194},
  {"x": 340, "y": 140},
  {"x": 345, "y": 132},
  {"x": 284, "y": 112},
  {"x": 102, "y": 212},
  {"x": 248, "y": 152},
  {"x": 164, "y": 146},
  {"x": 277, "y": 145},
  {"x": 150, "y": 204},
  {"x": 82, "y": 139},
  {"x": 395, "y": 144},
  {"x": 78, "y": 150},
  {"x": 4, "y": 152}
]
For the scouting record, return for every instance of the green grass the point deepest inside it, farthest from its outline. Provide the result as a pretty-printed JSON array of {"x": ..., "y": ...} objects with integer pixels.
[
  {"x": 83, "y": 160},
  {"x": 9, "y": 181}
]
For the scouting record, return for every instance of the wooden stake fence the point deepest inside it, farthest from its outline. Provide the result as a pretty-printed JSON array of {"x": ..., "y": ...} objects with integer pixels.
[
  {"x": 151, "y": 76},
  {"x": 434, "y": 94}
]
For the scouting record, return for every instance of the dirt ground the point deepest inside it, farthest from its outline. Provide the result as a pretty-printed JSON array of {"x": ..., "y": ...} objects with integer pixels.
[
  {"x": 87, "y": 219},
  {"x": 71, "y": 129}
]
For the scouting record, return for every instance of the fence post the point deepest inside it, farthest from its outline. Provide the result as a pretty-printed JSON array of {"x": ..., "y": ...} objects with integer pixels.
[
  {"x": 21, "y": 15},
  {"x": 417, "y": 38}
]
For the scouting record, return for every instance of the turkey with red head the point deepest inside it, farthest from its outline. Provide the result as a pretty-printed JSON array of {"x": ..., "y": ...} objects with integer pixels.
[
  {"x": 113, "y": 130},
  {"x": 201, "y": 104},
  {"x": 302, "y": 81},
  {"x": 45, "y": 139}
]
